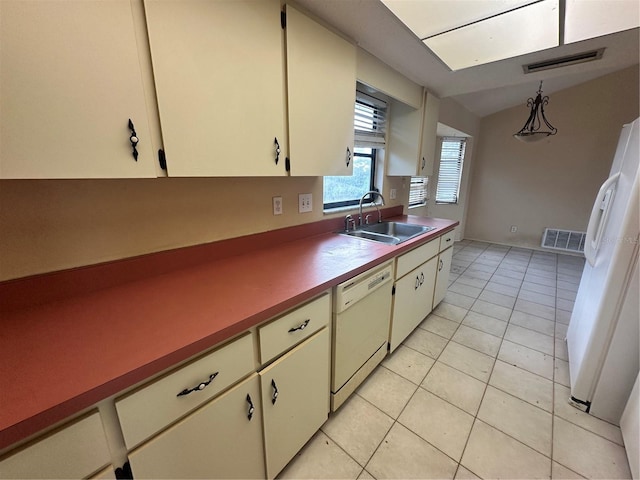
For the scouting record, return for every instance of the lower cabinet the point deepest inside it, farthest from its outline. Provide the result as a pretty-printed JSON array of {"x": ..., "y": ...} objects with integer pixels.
[
  {"x": 442, "y": 278},
  {"x": 413, "y": 300},
  {"x": 295, "y": 399},
  {"x": 222, "y": 439},
  {"x": 76, "y": 450}
]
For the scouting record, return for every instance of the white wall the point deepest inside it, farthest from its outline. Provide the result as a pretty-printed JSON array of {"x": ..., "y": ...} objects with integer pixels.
[{"x": 551, "y": 183}]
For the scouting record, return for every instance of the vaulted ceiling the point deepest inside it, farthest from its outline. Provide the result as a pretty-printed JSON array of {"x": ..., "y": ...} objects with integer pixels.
[{"x": 483, "y": 88}]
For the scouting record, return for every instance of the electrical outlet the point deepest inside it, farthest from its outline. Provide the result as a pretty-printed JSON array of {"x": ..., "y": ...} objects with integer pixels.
[
  {"x": 514, "y": 228},
  {"x": 393, "y": 194},
  {"x": 305, "y": 202},
  {"x": 277, "y": 205}
]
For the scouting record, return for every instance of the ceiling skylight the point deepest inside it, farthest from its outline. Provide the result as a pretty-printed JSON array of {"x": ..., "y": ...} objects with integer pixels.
[
  {"x": 588, "y": 19},
  {"x": 466, "y": 33}
]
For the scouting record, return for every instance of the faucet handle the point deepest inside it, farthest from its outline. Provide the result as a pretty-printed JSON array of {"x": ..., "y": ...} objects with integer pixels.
[
  {"x": 366, "y": 218},
  {"x": 347, "y": 220}
]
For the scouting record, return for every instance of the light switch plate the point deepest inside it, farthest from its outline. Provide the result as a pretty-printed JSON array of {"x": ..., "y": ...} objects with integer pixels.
[{"x": 305, "y": 202}]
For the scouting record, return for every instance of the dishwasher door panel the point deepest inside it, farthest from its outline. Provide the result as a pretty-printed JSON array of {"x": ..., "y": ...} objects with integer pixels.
[{"x": 359, "y": 332}]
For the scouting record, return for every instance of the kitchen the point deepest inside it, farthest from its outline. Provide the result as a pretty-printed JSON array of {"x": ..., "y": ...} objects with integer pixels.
[{"x": 51, "y": 225}]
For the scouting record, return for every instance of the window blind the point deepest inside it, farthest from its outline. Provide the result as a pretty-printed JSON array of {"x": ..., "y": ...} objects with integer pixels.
[
  {"x": 418, "y": 191},
  {"x": 369, "y": 121},
  {"x": 451, "y": 158}
]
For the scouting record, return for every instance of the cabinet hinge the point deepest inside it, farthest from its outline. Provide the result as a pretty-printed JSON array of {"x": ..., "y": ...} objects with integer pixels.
[
  {"x": 283, "y": 19},
  {"x": 393, "y": 290},
  {"x": 124, "y": 473},
  {"x": 287, "y": 164},
  {"x": 162, "y": 159}
]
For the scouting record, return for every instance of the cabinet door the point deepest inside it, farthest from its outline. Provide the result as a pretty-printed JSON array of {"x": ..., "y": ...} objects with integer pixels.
[
  {"x": 220, "y": 440},
  {"x": 405, "y": 123},
  {"x": 413, "y": 300},
  {"x": 321, "y": 87},
  {"x": 442, "y": 277},
  {"x": 75, "y": 451},
  {"x": 69, "y": 83},
  {"x": 219, "y": 73},
  {"x": 429, "y": 133},
  {"x": 295, "y": 399}
]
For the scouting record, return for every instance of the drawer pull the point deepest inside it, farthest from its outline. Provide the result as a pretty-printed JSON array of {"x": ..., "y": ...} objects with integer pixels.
[
  {"x": 251, "y": 407},
  {"x": 274, "y": 395},
  {"x": 200, "y": 386},
  {"x": 302, "y": 326}
]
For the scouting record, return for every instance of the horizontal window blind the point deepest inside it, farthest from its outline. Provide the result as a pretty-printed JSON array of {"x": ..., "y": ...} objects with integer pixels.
[
  {"x": 369, "y": 121},
  {"x": 418, "y": 191},
  {"x": 451, "y": 157}
]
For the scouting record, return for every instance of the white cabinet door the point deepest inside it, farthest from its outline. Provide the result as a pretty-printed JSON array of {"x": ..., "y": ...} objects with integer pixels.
[
  {"x": 223, "y": 439},
  {"x": 321, "y": 87},
  {"x": 295, "y": 399},
  {"x": 219, "y": 74},
  {"x": 428, "y": 136},
  {"x": 69, "y": 83},
  {"x": 412, "y": 138},
  {"x": 412, "y": 301},
  {"x": 75, "y": 451},
  {"x": 442, "y": 277}
]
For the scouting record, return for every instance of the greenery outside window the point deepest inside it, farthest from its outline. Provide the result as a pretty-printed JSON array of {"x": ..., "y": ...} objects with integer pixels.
[
  {"x": 450, "y": 172},
  {"x": 369, "y": 126}
]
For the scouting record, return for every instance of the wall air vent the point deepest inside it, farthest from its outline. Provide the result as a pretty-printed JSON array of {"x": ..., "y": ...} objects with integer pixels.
[
  {"x": 564, "y": 61},
  {"x": 564, "y": 240}
]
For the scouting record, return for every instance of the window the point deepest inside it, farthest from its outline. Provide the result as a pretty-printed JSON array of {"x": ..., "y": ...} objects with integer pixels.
[
  {"x": 369, "y": 125},
  {"x": 418, "y": 191},
  {"x": 451, "y": 157}
]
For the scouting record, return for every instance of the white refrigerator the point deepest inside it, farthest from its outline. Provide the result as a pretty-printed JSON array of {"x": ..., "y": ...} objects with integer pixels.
[{"x": 603, "y": 333}]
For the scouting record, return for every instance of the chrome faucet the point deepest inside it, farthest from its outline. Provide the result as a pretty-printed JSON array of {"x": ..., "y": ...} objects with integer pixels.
[
  {"x": 372, "y": 193},
  {"x": 349, "y": 221}
]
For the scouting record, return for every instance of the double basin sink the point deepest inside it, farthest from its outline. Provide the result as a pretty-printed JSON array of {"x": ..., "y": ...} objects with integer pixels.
[{"x": 391, "y": 233}]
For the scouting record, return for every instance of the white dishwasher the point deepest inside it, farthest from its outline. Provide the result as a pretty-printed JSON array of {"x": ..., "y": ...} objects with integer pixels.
[{"x": 361, "y": 319}]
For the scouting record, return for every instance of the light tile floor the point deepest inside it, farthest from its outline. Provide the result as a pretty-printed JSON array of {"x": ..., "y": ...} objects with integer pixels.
[{"x": 479, "y": 390}]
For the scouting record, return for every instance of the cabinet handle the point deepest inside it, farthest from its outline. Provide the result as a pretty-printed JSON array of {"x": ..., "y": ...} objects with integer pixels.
[
  {"x": 251, "y": 407},
  {"x": 302, "y": 326},
  {"x": 424, "y": 162},
  {"x": 134, "y": 140},
  {"x": 440, "y": 266},
  {"x": 200, "y": 386},
  {"x": 421, "y": 278},
  {"x": 274, "y": 395},
  {"x": 348, "y": 156},
  {"x": 275, "y": 141},
  {"x": 417, "y": 283}
]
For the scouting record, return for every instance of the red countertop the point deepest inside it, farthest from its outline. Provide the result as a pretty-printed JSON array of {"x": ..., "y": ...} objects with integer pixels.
[{"x": 63, "y": 354}]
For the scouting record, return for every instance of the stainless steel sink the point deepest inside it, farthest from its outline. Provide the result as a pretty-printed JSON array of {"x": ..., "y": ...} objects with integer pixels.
[{"x": 391, "y": 233}]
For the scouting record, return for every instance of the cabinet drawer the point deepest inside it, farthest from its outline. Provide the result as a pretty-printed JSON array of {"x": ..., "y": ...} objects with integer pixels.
[
  {"x": 156, "y": 405},
  {"x": 76, "y": 451},
  {"x": 416, "y": 257},
  {"x": 285, "y": 332},
  {"x": 446, "y": 240}
]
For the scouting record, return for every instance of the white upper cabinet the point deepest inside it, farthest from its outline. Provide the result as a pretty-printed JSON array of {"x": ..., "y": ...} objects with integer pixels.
[
  {"x": 321, "y": 86},
  {"x": 219, "y": 75},
  {"x": 412, "y": 138},
  {"x": 69, "y": 83}
]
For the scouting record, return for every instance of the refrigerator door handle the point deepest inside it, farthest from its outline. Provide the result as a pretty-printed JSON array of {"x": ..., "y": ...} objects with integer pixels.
[{"x": 598, "y": 219}]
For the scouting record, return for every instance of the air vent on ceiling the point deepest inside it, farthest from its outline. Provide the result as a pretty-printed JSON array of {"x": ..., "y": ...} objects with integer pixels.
[{"x": 564, "y": 61}]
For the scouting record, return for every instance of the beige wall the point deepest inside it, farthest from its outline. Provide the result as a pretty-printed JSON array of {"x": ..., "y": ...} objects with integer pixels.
[
  {"x": 49, "y": 225},
  {"x": 551, "y": 183},
  {"x": 455, "y": 116}
]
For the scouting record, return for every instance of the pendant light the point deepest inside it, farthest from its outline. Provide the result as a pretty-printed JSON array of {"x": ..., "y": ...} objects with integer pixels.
[{"x": 531, "y": 131}]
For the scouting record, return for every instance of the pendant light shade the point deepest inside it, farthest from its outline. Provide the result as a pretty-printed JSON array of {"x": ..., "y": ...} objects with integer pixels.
[{"x": 537, "y": 126}]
